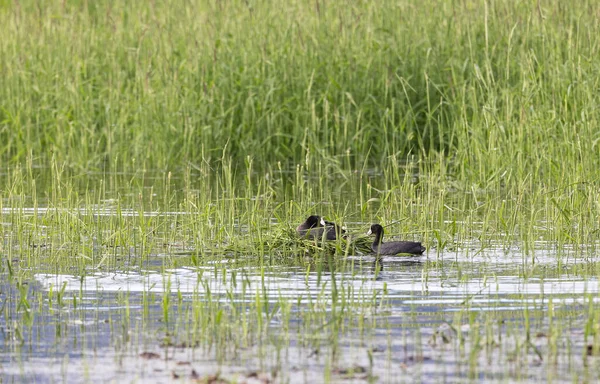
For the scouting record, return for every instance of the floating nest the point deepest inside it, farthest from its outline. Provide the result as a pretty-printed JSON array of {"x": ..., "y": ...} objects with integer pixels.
[{"x": 285, "y": 243}]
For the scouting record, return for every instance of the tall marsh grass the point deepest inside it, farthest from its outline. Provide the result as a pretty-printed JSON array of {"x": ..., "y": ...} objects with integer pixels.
[{"x": 506, "y": 90}]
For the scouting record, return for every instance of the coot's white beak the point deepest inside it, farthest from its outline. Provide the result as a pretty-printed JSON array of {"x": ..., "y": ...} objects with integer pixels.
[
  {"x": 323, "y": 222},
  {"x": 369, "y": 233}
]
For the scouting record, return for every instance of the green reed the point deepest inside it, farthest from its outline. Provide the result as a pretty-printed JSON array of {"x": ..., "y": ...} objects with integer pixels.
[
  {"x": 506, "y": 90},
  {"x": 495, "y": 102}
]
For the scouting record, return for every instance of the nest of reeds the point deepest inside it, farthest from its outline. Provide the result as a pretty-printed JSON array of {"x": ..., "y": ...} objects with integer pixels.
[{"x": 286, "y": 243}]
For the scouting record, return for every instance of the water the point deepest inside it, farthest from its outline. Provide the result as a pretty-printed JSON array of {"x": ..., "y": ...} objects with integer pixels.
[{"x": 442, "y": 317}]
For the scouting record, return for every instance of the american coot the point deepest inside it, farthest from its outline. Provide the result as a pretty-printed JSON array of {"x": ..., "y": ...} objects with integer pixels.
[
  {"x": 314, "y": 226},
  {"x": 393, "y": 247}
]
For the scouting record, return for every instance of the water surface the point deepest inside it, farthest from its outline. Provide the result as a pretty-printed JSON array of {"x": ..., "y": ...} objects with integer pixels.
[{"x": 442, "y": 317}]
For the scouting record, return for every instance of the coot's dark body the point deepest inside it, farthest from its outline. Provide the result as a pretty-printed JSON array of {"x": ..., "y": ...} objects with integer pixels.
[{"x": 393, "y": 247}]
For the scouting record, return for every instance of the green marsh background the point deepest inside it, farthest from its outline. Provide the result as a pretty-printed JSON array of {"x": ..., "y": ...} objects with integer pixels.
[{"x": 142, "y": 137}]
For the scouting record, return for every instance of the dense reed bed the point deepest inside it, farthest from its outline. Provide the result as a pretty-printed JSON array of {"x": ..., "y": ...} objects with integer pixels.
[{"x": 506, "y": 92}]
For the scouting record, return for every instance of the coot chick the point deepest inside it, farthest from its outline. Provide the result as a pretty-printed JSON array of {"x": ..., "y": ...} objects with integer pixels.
[
  {"x": 314, "y": 226},
  {"x": 393, "y": 247}
]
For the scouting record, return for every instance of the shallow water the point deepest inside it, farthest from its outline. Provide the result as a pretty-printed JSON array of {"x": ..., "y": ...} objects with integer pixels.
[{"x": 442, "y": 317}]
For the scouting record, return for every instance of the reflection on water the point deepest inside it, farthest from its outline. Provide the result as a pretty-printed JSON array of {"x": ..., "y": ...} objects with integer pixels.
[
  {"x": 413, "y": 300},
  {"x": 403, "y": 279}
]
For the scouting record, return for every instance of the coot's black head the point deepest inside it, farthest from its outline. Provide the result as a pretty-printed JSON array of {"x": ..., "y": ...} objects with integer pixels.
[
  {"x": 313, "y": 221},
  {"x": 375, "y": 229}
]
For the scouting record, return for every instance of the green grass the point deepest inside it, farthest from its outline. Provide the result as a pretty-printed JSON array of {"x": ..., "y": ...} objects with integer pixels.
[
  {"x": 493, "y": 101},
  {"x": 506, "y": 90}
]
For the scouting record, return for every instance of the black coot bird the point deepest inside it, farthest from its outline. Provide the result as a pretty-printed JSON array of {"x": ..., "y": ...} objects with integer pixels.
[
  {"x": 393, "y": 247},
  {"x": 314, "y": 226}
]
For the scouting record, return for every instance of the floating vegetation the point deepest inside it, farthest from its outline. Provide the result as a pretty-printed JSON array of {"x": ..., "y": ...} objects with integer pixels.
[{"x": 286, "y": 243}]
